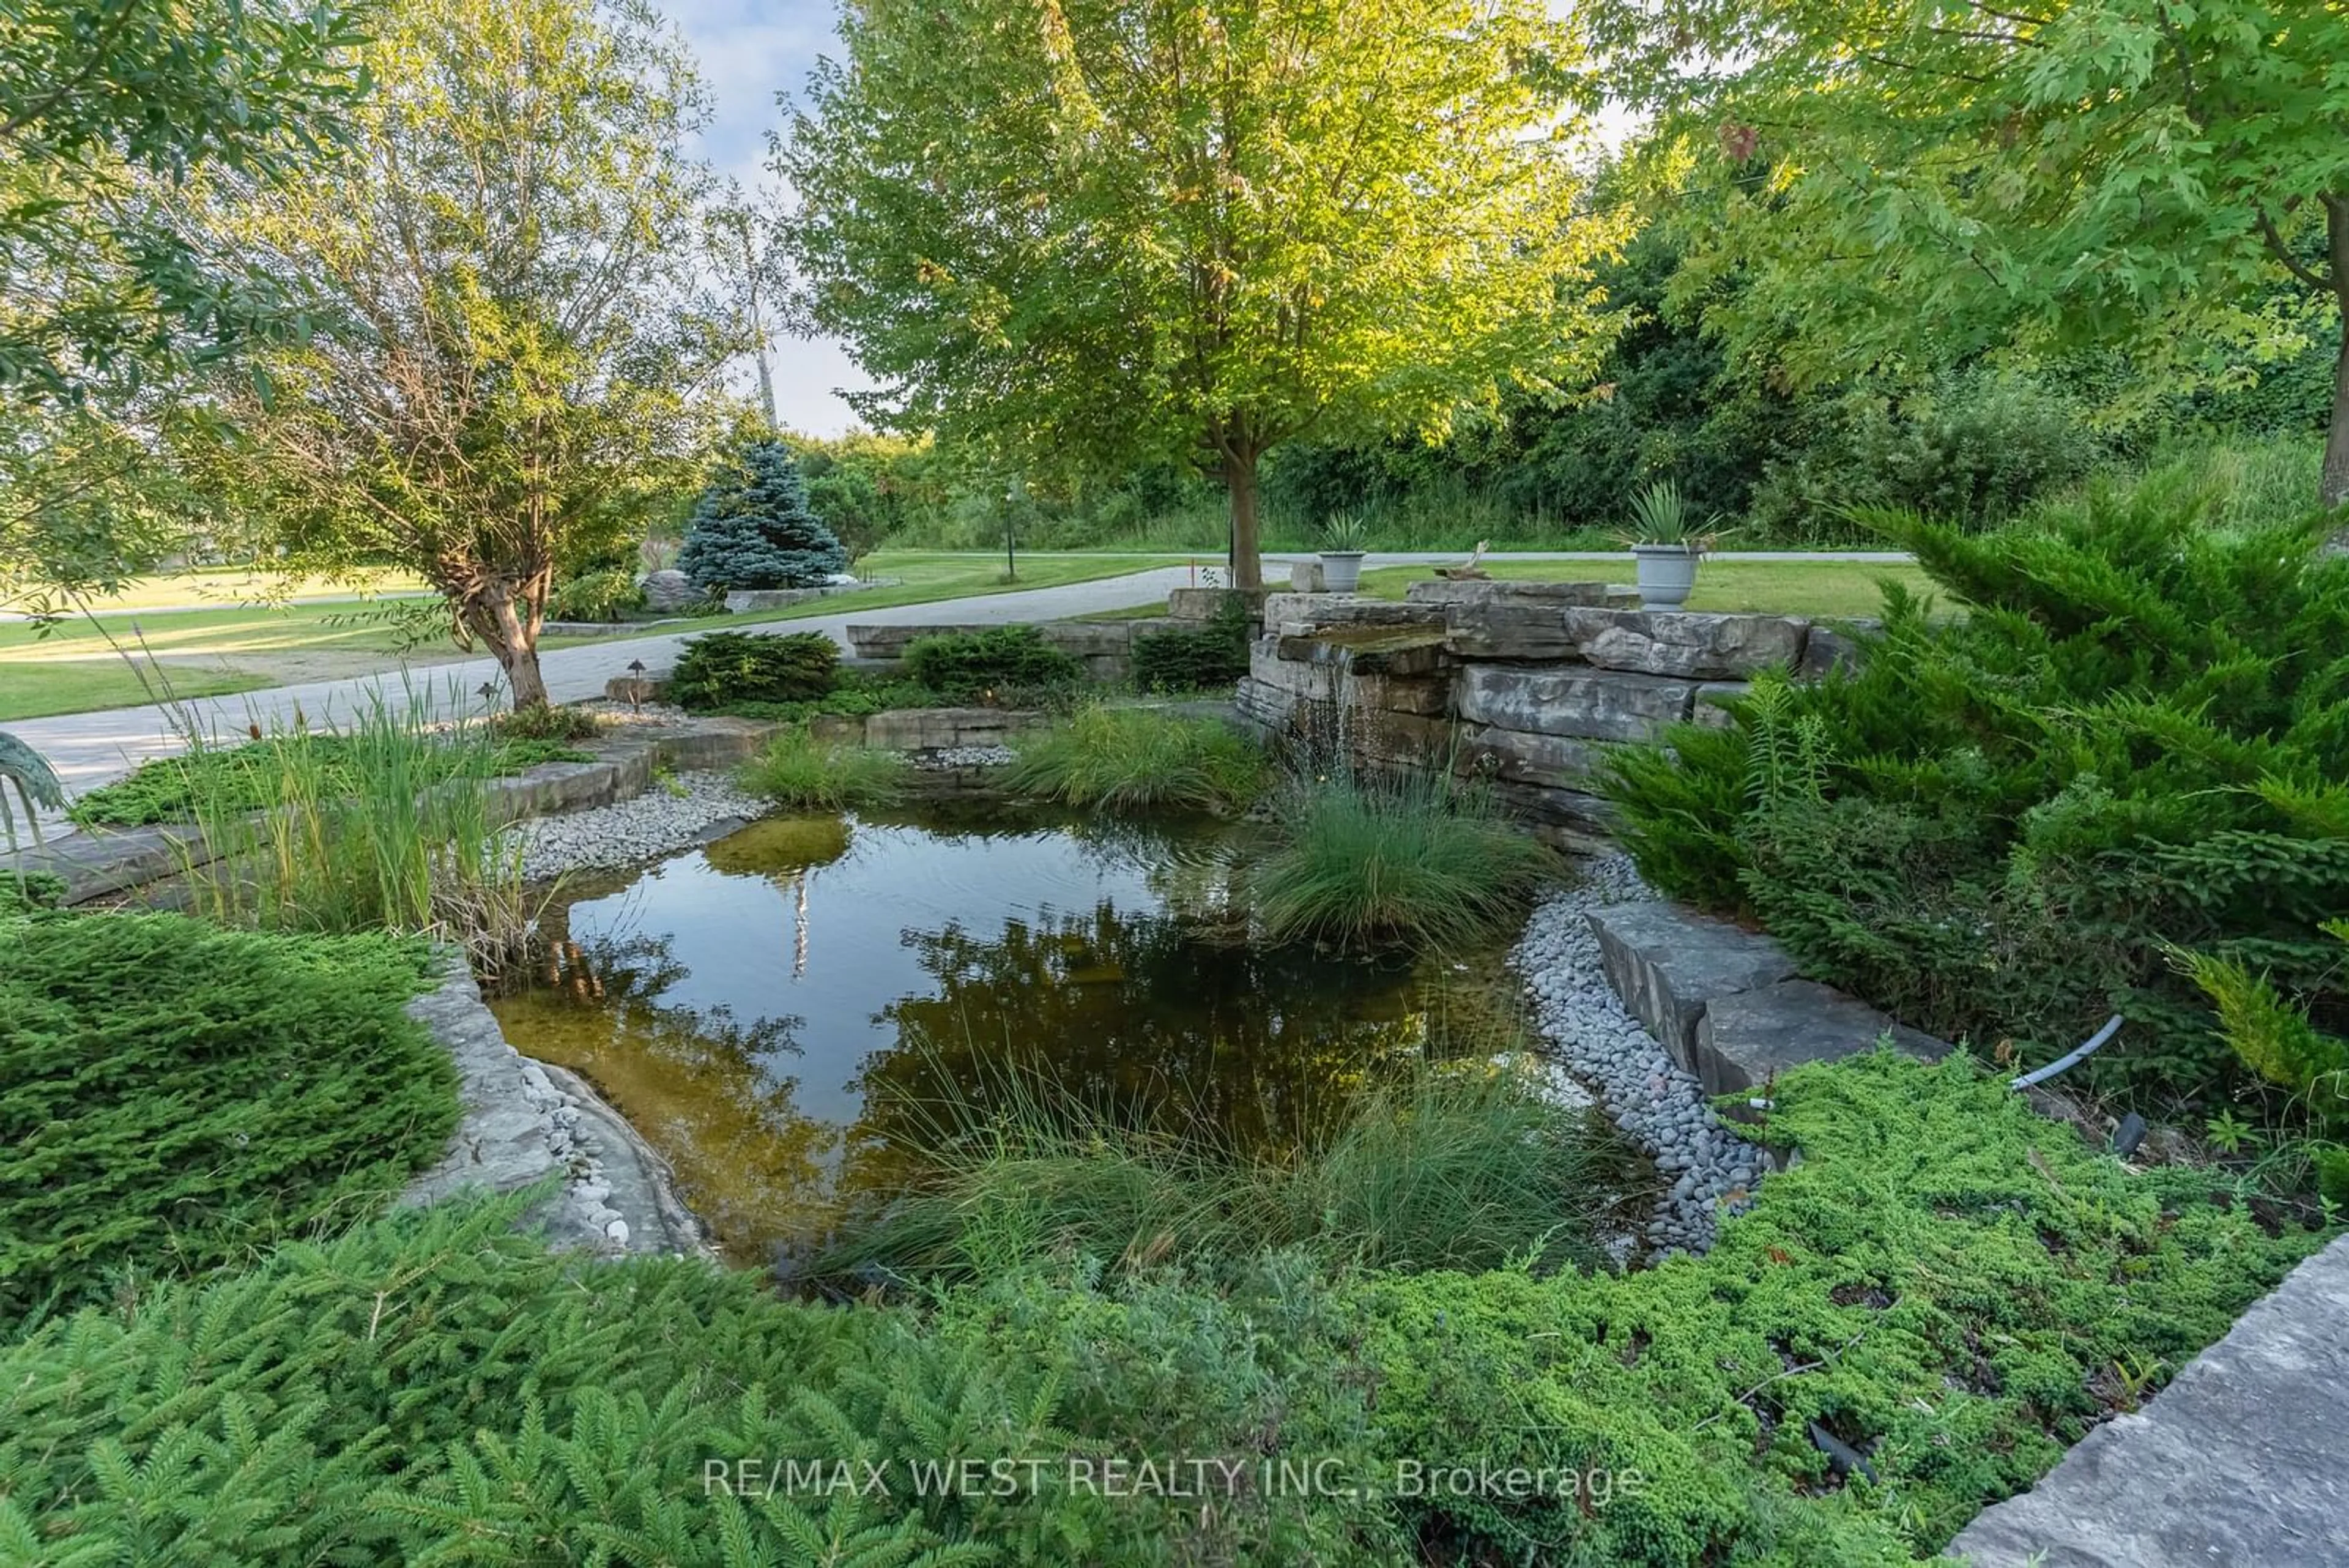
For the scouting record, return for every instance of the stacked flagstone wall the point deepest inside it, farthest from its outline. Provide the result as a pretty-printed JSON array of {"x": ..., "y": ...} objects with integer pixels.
[{"x": 1527, "y": 683}]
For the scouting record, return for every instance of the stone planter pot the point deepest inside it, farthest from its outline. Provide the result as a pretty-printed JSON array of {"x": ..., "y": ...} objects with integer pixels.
[
  {"x": 1341, "y": 570},
  {"x": 1667, "y": 573}
]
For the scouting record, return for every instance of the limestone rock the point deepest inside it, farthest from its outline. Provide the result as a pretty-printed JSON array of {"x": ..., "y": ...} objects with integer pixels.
[
  {"x": 1671, "y": 642},
  {"x": 2237, "y": 1461},
  {"x": 1576, "y": 701},
  {"x": 670, "y": 590},
  {"x": 1744, "y": 1037},
  {"x": 1831, "y": 648},
  {"x": 1668, "y": 963}
]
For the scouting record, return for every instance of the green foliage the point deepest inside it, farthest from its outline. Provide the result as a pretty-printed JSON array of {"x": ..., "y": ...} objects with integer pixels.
[
  {"x": 1974, "y": 448},
  {"x": 2277, "y": 1040},
  {"x": 1945, "y": 1281},
  {"x": 1000, "y": 666},
  {"x": 388, "y": 822},
  {"x": 859, "y": 695},
  {"x": 255, "y": 774},
  {"x": 610, "y": 594},
  {"x": 557, "y": 725},
  {"x": 178, "y": 1097},
  {"x": 1132, "y": 759},
  {"x": 1460, "y": 1167},
  {"x": 25, "y": 891},
  {"x": 1997, "y": 826},
  {"x": 1011, "y": 225},
  {"x": 752, "y": 527},
  {"x": 799, "y": 772},
  {"x": 498, "y": 392},
  {"x": 2131, "y": 174},
  {"x": 1422, "y": 859},
  {"x": 104, "y": 102},
  {"x": 1211, "y": 657},
  {"x": 722, "y": 667}
]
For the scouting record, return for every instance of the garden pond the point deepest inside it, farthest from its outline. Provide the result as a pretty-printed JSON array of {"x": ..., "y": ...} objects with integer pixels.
[{"x": 783, "y": 1012}]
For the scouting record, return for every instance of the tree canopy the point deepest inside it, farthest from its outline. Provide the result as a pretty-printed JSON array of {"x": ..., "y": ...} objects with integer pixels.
[
  {"x": 1091, "y": 234},
  {"x": 508, "y": 327},
  {"x": 1947, "y": 176}
]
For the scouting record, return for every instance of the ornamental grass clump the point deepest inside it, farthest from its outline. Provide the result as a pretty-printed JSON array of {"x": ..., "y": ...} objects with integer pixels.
[
  {"x": 799, "y": 771},
  {"x": 1454, "y": 1168},
  {"x": 1423, "y": 859},
  {"x": 1135, "y": 759},
  {"x": 390, "y": 823}
]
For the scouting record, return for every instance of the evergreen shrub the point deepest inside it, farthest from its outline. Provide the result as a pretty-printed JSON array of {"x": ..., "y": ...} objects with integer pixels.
[
  {"x": 1946, "y": 1284},
  {"x": 1209, "y": 658},
  {"x": 720, "y": 668},
  {"x": 1002, "y": 665},
  {"x": 1998, "y": 828},
  {"x": 175, "y": 1098}
]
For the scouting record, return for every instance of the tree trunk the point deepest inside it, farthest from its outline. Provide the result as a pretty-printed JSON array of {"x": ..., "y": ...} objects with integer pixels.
[
  {"x": 2333, "y": 483},
  {"x": 511, "y": 629},
  {"x": 1241, "y": 480}
]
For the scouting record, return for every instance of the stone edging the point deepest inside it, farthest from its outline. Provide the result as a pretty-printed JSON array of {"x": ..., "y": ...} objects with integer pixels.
[{"x": 524, "y": 1121}]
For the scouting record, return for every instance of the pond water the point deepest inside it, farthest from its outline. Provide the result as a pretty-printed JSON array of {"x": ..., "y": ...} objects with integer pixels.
[{"x": 775, "y": 1011}]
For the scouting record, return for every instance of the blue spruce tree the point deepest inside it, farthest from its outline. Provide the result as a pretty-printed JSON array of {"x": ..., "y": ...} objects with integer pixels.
[{"x": 752, "y": 527}]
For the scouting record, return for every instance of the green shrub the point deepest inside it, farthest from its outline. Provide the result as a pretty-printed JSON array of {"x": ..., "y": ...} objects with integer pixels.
[
  {"x": 752, "y": 527},
  {"x": 1001, "y": 665},
  {"x": 1134, "y": 758},
  {"x": 612, "y": 594},
  {"x": 1461, "y": 1168},
  {"x": 1954, "y": 1286},
  {"x": 1422, "y": 859},
  {"x": 859, "y": 695},
  {"x": 721, "y": 667},
  {"x": 1947, "y": 1283},
  {"x": 174, "y": 1097},
  {"x": 23, "y": 891},
  {"x": 549, "y": 723},
  {"x": 798, "y": 772},
  {"x": 2276, "y": 1038},
  {"x": 1997, "y": 828},
  {"x": 1211, "y": 656}
]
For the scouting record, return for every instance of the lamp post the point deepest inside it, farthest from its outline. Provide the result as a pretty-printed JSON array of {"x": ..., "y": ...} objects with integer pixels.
[{"x": 1010, "y": 518}]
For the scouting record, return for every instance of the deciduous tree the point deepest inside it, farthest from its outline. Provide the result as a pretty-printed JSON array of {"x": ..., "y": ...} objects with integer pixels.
[
  {"x": 1953, "y": 175},
  {"x": 1095, "y": 233},
  {"x": 509, "y": 325}
]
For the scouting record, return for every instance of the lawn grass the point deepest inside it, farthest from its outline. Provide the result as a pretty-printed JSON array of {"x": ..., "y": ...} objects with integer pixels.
[
  {"x": 74, "y": 668},
  {"x": 1828, "y": 591},
  {"x": 89, "y": 685}
]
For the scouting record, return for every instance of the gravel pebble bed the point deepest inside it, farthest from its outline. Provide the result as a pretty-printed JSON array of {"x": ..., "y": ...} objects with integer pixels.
[
  {"x": 1658, "y": 1105},
  {"x": 963, "y": 757},
  {"x": 658, "y": 822}
]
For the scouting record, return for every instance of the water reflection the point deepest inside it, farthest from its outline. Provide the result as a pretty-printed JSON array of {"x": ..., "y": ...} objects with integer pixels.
[{"x": 774, "y": 1010}]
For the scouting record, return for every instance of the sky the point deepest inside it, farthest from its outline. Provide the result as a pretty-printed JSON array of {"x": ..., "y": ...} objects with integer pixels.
[{"x": 749, "y": 52}]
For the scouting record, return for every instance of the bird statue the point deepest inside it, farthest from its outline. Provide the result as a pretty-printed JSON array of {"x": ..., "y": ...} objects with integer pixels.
[
  {"x": 36, "y": 786},
  {"x": 1472, "y": 570}
]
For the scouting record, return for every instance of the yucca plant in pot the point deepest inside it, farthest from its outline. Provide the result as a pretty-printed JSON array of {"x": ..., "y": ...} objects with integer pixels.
[
  {"x": 1667, "y": 542},
  {"x": 1344, "y": 538}
]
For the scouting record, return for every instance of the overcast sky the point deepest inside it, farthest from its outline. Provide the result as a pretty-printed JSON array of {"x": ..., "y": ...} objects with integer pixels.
[{"x": 749, "y": 52}]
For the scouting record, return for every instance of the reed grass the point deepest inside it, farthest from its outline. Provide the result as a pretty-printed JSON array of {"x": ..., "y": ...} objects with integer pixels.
[
  {"x": 1424, "y": 859},
  {"x": 1458, "y": 1166},
  {"x": 1132, "y": 759},
  {"x": 389, "y": 822},
  {"x": 800, "y": 772}
]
